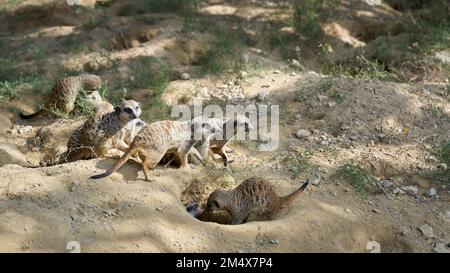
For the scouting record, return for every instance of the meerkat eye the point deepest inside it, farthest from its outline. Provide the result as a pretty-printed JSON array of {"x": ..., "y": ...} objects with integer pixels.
[{"x": 216, "y": 204}]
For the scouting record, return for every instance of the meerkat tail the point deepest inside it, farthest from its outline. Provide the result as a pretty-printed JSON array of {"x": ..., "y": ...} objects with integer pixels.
[
  {"x": 288, "y": 199},
  {"x": 116, "y": 166},
  {"x": 31, "y": 116}
]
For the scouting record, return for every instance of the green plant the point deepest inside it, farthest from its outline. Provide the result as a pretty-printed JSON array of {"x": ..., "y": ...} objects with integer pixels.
[
  {"x": 296, "y": 164},
  {"x": 308, "y": 15},
  {"x": 94, "y": 21},
  {"x": 151, "y": 72},
  {"x": 357, "y": 177},
  {"x": 82, "y": 106},
  {"x": 226, "y": 53},
  {"x": 442, "y": 174},
  {"x": 337, "y": 96},
  {"x": 7, "y": 89}
]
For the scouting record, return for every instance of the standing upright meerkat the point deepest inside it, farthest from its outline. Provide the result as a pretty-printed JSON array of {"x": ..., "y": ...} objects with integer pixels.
[
  {"x": 254, "y": 199},
  {"x": 94, "y": 137},
  {"x": 65, "y": 92},
  {"x": 158, "y": 138},
  {"x": 126, "y": 135},
  {"x": 220, "y": 139}
]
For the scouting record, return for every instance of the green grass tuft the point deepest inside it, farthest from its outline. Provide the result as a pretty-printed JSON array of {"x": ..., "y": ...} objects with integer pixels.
[{"x": 357, "y": 177}]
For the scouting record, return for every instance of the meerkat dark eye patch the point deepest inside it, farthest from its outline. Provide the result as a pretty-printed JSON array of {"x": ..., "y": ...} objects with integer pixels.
[
  {"x": 216, "y": 204},
  {"x": 128, "y": 110}
]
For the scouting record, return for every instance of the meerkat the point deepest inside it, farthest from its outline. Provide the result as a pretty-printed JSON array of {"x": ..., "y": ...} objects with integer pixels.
[
  {"x": 125, "y": 136},
  {"x": 158, "y": 138},
  {"x": 218, "y": 142},
  {"x": 253, "y": 199},
  {"x": 92, "y": 139},
  {"x": 65, "y": 92}
]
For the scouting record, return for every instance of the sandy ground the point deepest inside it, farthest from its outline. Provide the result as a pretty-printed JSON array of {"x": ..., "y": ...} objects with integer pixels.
[{"x": 391, "y": 129}]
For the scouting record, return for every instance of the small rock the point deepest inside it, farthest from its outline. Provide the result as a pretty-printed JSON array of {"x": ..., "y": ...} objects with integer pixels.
[
  {"x": 204, "y": 92},
  {"x": 245, "y": 58},
  {"x": 295, "y": 63},
  {"x": 387, "y": 184},
  {"x": 426, "y": 230},
  {"x": 185, "y": 76},
  {"x": 411, "y": 190},
  {"x": 25, "y": 129},
  {"x": 344, "y": 126},
  {"x": 302, "y": 133},
  {"x": 432, "y": 159},
  {"x": 331, "y": 104},
  {"x": 431, "y": 192},
  {"x": 293, "y": 74},
  {"x": 376, "y": 211},
  {"x": 274, "y": 241},
  {"x": 322, "y": 97},
  {"x": 446, "y": 215},
  {"x": 442, "y": 166},
  {"x": 276, "y": 72},
  {"x": 243, "y": 74},
  {"x": 404, "y": 231},
  {"x": 381, "y": 136},
  {"x": 261, "y": 95},
  {"x": 440, "y": 248},
  {"x": 398, "y": 191},
  {"x": 9, "y": 154}
]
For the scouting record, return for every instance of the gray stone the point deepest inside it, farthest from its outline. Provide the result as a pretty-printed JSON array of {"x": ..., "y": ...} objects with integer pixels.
[
  {"x": 411, "y": 190},
  {"x": 261, "y": 95},
  {"x": 426, "y": 230},
  {"x": 345, "y": 126},
  {"x": 302, "y": 133},
  {"x": 440, "y": 248},
  {"x": 9, "y": 154},
  {"x": 185, "y": 76},
  {"x": 388, "y": 184},
  {"x": 432, "y": 192},
  {"x": 398, "y": 191}
]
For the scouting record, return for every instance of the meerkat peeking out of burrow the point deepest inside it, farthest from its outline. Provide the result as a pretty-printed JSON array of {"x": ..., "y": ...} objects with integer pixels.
[{"x": 253, "y": 200}]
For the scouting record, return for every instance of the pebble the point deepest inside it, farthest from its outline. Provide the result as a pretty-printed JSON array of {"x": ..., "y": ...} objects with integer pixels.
[
  {"x": 302, "y": 133},
  {"x": 261, "y": 95},
  {"x": 432, "y": 158},
  {"x": 185, "y": 76},
  {"x": 442, "y": 166},
  {"x": 411, "y": 190},
  {"x": 295, "y": 63},
  {"x": 387, "y": 184},
  {"x": 431, "y": 192},
  {"x": 322, "y": 97},
  {"x": 398, "y": 191},
  {"x": 440, "y": 248},
  {"x": 25, "y": 129},
  {"x": 426, "y": 230},
  {"x": 345, "y": 126},
  {"x": 376, "y": 211}
]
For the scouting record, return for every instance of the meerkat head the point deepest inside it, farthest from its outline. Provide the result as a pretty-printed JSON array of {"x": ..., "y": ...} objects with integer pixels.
[
  {"x": 217, "y": 200},
  {"x": 204, "y": 127},
  {"x": 91, "y": 82},
  {"x": 128, "y": 110}
]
